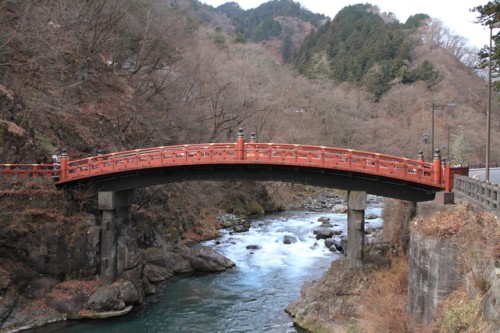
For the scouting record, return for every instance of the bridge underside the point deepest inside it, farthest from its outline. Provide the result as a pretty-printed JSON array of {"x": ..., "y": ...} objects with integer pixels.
[{"x": 344, "y": 180}]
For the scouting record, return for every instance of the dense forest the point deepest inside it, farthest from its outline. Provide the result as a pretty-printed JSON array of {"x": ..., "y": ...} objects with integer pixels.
[
  {"x": 359, "y": 47},
  {"x": 260, "y": 24}
]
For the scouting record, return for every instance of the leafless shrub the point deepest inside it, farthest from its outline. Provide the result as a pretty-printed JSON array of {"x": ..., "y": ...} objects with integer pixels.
[
  {"x": 397, "y": 215},
  {"x": 85, "y": 198}
]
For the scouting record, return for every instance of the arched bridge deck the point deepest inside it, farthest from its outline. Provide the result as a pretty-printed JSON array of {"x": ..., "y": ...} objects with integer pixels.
[
  {"x": 347, "y": 169},
  {"x": 316, "y": 165}
]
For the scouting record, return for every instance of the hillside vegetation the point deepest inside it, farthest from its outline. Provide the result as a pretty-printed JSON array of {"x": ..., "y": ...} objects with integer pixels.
[
  {"x": 360, "y": 47},
  {"x": 114, "y": 75},
  {"x": 260, "y": 23}
]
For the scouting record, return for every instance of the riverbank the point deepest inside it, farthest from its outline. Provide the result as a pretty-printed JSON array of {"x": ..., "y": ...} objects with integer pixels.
[
  {"x": 375, "y": 298},
  {"x": 49, "y": 243},
  {"x": 49, "y": 246}
]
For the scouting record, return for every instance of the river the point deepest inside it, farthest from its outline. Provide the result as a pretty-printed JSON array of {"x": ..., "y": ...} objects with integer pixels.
[{"x": 248, "y": 298}]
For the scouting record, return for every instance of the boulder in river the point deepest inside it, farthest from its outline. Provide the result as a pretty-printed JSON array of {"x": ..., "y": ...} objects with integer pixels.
[
  {"x": 155, "y": 273},
  {"x": 241, "y": 228},
  {"x": 324, "y": 233},
  {"x": 340, "y": 209},
  {"x": 254, "y": 247},
  {"x": 329, "y": 242},
  {"x": 206, "y": 259},
  {"x": 106, "y": 298},
  {"x": 287, "y": 239},
  {"x": 170, "y": 260}
]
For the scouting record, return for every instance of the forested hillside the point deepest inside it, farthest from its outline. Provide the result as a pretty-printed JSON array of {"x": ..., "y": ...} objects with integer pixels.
[
  {"x": 282, "y": 24},
  {"x": 260, "y": 23},
  {"x": 360, "y": 47},
  {"x": 114, "y": 75}
]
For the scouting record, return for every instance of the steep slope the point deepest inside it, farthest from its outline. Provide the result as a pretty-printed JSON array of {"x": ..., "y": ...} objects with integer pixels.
[{"x": 281, "y": 25}]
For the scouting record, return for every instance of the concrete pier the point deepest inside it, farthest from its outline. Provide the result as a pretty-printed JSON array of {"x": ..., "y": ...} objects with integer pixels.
[
  {"x": 114, "y": 207},
  {"x": 356, "y": 204}
]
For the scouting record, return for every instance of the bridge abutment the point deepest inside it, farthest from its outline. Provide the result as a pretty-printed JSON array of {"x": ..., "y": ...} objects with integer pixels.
[
  {"x": 114, "y": 208},
  {"x": 356, "y": 203}
]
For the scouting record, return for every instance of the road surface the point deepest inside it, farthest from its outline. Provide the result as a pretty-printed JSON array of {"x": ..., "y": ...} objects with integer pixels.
[{"x": 479, "y": 174}]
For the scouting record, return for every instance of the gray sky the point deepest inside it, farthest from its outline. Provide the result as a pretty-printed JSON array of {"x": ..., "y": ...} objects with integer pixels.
[{"x": 454, "y": 14}]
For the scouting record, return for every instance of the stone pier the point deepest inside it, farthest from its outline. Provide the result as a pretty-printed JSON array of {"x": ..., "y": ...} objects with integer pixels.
[
  {"x": 114, "y": 208},
  {"x": 356, "y": 204}
]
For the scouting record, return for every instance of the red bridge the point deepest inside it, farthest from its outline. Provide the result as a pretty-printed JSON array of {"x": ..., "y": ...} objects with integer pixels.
[
  {"x": 347, "y": 169},
  {"x": 116, "y": 175}
]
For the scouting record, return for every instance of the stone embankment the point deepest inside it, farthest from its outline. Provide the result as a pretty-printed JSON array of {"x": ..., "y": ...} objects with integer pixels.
[
  {"x": 448, "y": 252},
  {"x": 49, "y": 259}
]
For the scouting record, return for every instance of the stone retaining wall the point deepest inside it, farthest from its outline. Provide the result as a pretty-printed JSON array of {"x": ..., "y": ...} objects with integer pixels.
[{"x": 432, "y": 273}]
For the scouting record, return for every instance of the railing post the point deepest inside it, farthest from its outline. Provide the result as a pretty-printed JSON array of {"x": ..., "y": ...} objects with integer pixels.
[
  {"x": 8, "y": 174},
  {"x": 420, "y": 155},
  {"x": 63, "y": 174},
  {"x": 240, "y": 145},
  {"x": 253, "y": 137},
  {"x": 436, "y": 166},
  {"x": 447, "y": 177}
]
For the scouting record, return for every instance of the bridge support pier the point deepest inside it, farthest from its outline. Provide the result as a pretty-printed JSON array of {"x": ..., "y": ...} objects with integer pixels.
[
  {"x": 114, "y": 208},
  {"x": 356, "y": 204}
]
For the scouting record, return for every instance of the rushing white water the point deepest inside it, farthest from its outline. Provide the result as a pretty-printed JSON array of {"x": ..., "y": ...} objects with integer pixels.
[
  {"x": 248, "y": 298},
  {"x": 268, "y": 235}
]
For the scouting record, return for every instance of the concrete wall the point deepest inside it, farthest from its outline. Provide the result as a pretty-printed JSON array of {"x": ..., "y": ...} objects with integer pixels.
[
  {"x": 433, "y": 273},
  {"x": 478, "y": 191}
]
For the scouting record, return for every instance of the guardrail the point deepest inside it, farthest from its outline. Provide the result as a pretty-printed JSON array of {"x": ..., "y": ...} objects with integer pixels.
[
  {"x": 484, "y": 193},
  {"x": 483, "y": 165}
]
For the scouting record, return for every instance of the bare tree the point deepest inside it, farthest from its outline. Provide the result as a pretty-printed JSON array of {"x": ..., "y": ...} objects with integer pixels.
[{"x": 435, "y": 33}]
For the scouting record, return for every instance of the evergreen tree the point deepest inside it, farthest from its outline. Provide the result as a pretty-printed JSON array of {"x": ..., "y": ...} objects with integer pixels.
[
  {"x": 489, "y": 15},
  {"x": 286, "y": 50},
  {"x": 361, "y": 47}
]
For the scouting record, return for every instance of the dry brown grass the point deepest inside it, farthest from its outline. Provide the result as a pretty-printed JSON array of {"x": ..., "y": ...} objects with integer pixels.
[
  {"x": 477, "y": 233},
  {"x": 397, "y": 215},
  {"x": 458, "y": 313},
  {"x": 384, "y": 306}
]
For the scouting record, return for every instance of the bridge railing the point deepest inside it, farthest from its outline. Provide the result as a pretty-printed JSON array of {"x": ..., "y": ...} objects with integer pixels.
[
  {"x": 253, "y": 152},
  {"x": 484, "y": 193},
  {"x": 29, "y": 170},
  {"x": 344, "y": 159}
]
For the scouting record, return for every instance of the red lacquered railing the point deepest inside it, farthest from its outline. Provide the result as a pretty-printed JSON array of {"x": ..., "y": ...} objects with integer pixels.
[
  {"x": 255, "y": 153},
  {"x": 416, "y": 171},
  {"x": 29, "y": 170}
]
